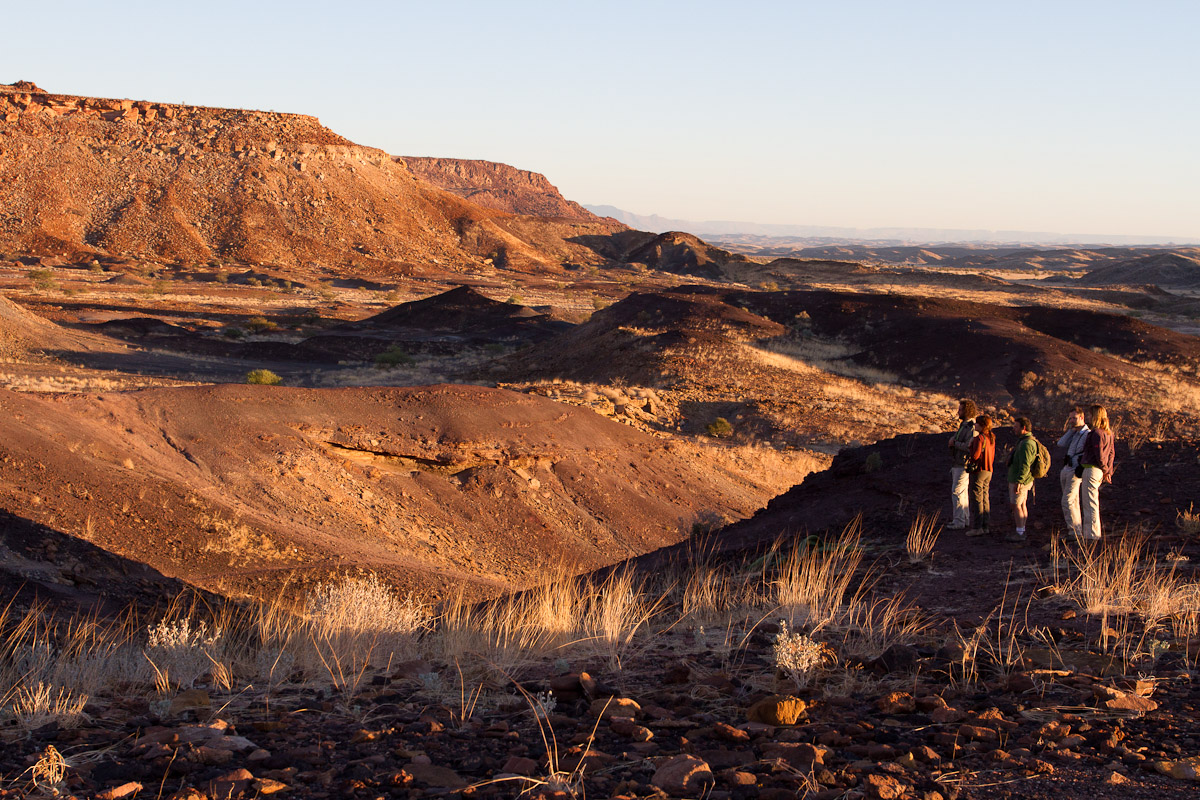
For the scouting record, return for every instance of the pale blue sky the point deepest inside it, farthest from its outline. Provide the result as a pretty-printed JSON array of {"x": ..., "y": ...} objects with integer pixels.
[{"x": 1058, "y": 115}]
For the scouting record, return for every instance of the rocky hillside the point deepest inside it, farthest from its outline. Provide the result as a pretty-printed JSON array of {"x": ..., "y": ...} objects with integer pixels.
[
  {"x": 498, "y": 186},
  {"x": 243, "y": 487},
  {"x": 85, "y": 176},
  {"x": 1180, "y": 270}
]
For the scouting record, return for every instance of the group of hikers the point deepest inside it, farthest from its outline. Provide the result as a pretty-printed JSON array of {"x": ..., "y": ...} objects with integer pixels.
[{"x": 1087, "y": 462}]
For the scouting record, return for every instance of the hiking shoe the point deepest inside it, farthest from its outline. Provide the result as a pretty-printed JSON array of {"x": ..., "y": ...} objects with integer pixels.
[
  {"x": 1013, "y": 536},
  {"x": 956, "y": 527},
  {"x": 971, "y": 534}
]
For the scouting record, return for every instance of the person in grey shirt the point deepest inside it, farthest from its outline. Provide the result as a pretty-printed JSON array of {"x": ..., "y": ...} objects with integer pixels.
[
  {"x": 1075, "y": 434},
  {"x": 960, "y": 450}
]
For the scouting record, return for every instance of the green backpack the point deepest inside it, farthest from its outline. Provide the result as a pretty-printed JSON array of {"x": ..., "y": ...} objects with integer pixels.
[{"x": 1041, "y": 462}]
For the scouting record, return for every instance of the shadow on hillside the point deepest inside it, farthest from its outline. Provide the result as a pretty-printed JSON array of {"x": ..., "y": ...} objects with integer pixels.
[
  {"x": 614, "y": 246},
  {"x": 72, "y": 575}
]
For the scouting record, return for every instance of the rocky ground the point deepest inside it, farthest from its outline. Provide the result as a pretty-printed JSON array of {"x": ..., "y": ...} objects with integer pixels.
[{"x": 692, "y": 711}]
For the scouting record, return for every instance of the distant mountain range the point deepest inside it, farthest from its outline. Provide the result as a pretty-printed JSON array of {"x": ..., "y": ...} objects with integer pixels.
[{"x": 820, "y": 234}]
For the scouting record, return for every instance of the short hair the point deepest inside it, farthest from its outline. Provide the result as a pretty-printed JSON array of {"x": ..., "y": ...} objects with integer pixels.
[
  {"x": 967, "y": 409},
  {"x": 1077, "y": 410},
  {"x": 1024, "y": 424},
  {"x": 1098, "y": 419}
]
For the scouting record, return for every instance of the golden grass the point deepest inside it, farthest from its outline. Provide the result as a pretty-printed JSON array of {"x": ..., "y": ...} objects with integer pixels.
[
  {"x": 342, "y": 632},
  {"x": 1125, "y": 577},
  {"x": 562, "y": 617},
  {"x": 345, "y": 631},
  {"x": 813, "y": 578},
  {"x": 1188, "y": 521},
  {"x": 822, "y": 355},
  {"x": 49, "y": 771},
  {"x": 922, "y": 537}
]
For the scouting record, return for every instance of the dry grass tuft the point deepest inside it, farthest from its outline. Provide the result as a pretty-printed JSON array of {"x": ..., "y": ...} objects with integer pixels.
[
  {"x": 922, "y": 536},
  {"x": 814, "y": 577},
  {"x": 356, "y": 624},
  {"x": 181, "y": 650},
  {"x": 1122, "y": 577},
  {"x": 868, "y": 627},
  {"x": 563, "y": 616},
  {"x": 1188, "y": 521},
  {"x": 49, "y": 771}
]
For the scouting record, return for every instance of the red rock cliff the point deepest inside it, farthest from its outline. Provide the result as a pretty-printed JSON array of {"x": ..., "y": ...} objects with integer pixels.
[
  {"x": 498, "y": 186},
  {"x": 170, "y": 182}
]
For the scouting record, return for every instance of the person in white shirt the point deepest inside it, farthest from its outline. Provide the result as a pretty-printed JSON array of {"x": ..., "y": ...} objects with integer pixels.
[{"x": 1075, "y": 434}]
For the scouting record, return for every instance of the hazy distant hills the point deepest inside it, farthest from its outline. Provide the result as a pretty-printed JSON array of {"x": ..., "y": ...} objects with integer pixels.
[{"x": 773, "y": 239}]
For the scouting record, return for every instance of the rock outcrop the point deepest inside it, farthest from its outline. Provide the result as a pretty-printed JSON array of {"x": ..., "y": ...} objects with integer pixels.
[
  {"x": 498, "y": 186},
  {"x": 685, "y": 254}
]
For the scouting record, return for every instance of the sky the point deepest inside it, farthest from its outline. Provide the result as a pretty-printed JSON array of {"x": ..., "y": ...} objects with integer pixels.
[{"x": 1057, "y": 115}]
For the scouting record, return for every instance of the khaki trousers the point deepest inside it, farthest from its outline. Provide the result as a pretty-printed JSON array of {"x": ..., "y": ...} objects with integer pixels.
[
  {"x": 1018, "y": 498},
  {"x": 1070, "y": 500},
  {"x": 1092, "y": 478},
  {"x": 980, "y": 502}
]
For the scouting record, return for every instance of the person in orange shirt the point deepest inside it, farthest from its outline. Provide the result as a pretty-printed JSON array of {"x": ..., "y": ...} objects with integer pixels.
[{"x": 979, "y": 466}]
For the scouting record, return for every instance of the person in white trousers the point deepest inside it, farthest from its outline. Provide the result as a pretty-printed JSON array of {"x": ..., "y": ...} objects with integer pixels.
[
  {"x": 960, "y": 451},
  {"x": 1097, "y": 462},
  {"x": 1075, "y": 434}
]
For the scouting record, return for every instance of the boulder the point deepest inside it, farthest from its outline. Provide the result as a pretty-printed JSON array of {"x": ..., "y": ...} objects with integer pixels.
[
  {"x": 609, "y": 707},
  {"x": 778, "y": 710},
  {"x": 1186, "y": 769},
  {"x": 119, "y": 792},
  {"x": 683, "y": 776}
]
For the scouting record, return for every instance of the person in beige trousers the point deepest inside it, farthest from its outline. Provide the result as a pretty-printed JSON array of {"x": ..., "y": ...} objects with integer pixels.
[
  {"x": 1075, "y": 434},
  {"x": 960, "y": 450}
]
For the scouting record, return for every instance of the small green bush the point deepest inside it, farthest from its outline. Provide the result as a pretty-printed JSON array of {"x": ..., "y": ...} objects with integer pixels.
[
  {"x": 263, "y": 377},
  {"x": 260, "y": 325},
  {"x": 874, "y": 461},
  {"x": 719, "y": 428},
  {"x": 233, "y": 333},
  {"x": 42, "y": 278},
  {"x": 325, "y": 291},
  {"x": 394, "y": 356}
]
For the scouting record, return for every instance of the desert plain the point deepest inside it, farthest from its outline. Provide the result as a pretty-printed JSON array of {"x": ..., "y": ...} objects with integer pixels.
[{"x": 327, "y": 472}]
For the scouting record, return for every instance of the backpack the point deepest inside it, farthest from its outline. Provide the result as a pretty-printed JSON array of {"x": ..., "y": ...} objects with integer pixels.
[{"x": 1041, "y": 462}]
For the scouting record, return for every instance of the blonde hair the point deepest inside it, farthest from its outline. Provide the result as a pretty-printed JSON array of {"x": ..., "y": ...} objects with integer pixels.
[{"x": 1098, "y": 419}]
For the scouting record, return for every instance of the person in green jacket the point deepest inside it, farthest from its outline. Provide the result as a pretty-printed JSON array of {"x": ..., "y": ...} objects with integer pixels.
[{"x": 1020, "y": 476}]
